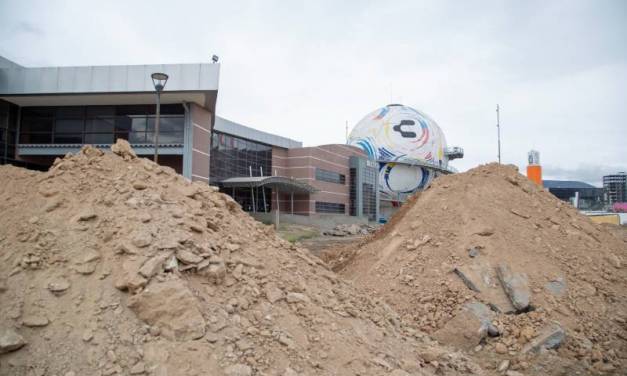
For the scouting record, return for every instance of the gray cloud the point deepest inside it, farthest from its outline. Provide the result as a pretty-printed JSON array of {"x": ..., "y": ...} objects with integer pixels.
[{"x": 592, "y": 174}]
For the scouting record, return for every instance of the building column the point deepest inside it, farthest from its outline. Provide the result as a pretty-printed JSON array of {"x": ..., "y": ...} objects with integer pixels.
[{"x": 197, "y": 144}]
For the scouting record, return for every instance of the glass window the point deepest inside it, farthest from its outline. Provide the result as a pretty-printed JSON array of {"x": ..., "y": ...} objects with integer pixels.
[
  {"x": 69, "y": 126},
  {"x": 70, "y": 112},
  {"x": 171, "y": 138},
  {"x": 330, "y": 176},
  {"x": 138, "y": 138},
  {"x": 36, "y": 125},
  {"x": 132, "y": 110},
  {"x": 98, "y": 138},
  {"x": 99, "y": 125},
  {"x": 38, "y": 111},
  {"x": 171, "y": 124},
  {"x": 94, "y": 111},
  {"x": 330, "y": 207},
  {"x": 68, "y": 138},
  {"x": 35, "y": 138}
]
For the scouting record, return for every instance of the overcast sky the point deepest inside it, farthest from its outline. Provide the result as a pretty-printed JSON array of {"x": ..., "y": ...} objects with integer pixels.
[{"x": 558, "y": 69}]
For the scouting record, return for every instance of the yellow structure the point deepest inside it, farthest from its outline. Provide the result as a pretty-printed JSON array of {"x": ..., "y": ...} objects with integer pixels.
[{"x": 611, "y": 218}]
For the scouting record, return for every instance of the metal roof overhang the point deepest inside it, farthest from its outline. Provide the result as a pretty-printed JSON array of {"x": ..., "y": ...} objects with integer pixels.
[
  {"x": 284, "y": 184},
  {"x": 107, "y": 85}
]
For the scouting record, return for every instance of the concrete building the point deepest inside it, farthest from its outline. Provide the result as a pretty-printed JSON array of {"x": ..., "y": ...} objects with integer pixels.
[
  {"x": 48, "y": 112},
  {"x": 582, "y": 195},
  {"x": 615, "y": 188}
]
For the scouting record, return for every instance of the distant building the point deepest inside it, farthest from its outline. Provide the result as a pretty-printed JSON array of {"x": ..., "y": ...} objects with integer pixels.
[
  {"x": 615, "y": 188},
  {"x": 583, "y": 195}
]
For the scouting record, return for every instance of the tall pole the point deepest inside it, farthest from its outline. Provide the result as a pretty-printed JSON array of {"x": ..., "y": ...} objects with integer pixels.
[
  {"x": 157, "y": 127},
  {"x": 498, "y": 131}
]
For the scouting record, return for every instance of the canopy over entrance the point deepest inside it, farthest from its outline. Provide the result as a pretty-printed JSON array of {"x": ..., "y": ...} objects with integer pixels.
[{"x": 281, "y": 183}]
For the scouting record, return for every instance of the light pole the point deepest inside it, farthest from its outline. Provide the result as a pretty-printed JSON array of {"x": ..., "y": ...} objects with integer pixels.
[
  {"x": 158, "y": 80},
  {"x": 498, "y": 130}
]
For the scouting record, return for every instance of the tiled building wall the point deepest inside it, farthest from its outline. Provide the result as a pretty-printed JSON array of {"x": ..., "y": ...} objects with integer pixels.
[
  {"x": 201, "y": 141},
  {"x": 301, "y": 164}
]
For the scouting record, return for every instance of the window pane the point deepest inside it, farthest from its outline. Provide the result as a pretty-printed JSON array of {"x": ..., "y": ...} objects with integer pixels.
[
  {"x": 132, "y": 110},
  {"x": 171, "y": 124},
  {"x": 99, "y": 125},
  {"x": 99, "y": 138},
  {"x": 93, "y": 111},
  {"x": 69, "y": 126},
  {"x": 36, "y": 138},
  {"x": 36, "y": 125},
  {"x": 37, "y": 111},
  {"x": 70, "y": 112},
  {"x": 138, "y": 124},
  {"x": 122, "y": 124},
  {"x": 171, "y": 138},
  {"x": 137, "y": 138},
  {"x": 170, "y": 109},
  {"x": 68, "y": 138}
]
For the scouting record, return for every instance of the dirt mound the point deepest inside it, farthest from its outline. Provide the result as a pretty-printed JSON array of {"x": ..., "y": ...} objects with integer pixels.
[
  {"x": 489, "y": 262},
  {"x": 113, "y": 265}
]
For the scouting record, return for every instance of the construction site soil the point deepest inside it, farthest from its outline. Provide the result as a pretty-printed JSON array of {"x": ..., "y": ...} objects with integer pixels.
[
  {"x": 492, "y": 264},
  {"x": 113, "y": 265}
]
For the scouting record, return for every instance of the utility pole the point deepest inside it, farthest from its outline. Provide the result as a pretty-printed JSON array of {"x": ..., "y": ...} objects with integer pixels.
[
  {"x": 498, "y": 131},
  {"x": 346, "y": 132}
]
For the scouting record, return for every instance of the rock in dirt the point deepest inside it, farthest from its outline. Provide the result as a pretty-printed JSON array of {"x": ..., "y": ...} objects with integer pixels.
[
  {"x": 123, "y": 149},
  {"x": 187, "y": 257},
  {"x": 273, "y": 293},
  {"x": 58, "y": 286},
  {"x": 238, "y": 370},
  {"x": 34, "y": 321},
  {"x": 550, "y": 337},
  {"x": 469, "y": 327},
  {"x": 516, "y": 287},
  {"x": 170, "y": 306},
  {"x": 10, "y": 340}
]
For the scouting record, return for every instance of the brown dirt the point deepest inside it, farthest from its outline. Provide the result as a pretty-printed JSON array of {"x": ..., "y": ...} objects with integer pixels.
[
  {"x": 112, "y": 265},
  {"x": 507, "y": 220}
]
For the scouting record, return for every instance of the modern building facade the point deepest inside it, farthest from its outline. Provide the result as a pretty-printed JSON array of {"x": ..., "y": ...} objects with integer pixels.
[
  {"x": 582, "y": 195},
  {"x": 615, "y": 188},
  {"x": 48, "y": 112}
]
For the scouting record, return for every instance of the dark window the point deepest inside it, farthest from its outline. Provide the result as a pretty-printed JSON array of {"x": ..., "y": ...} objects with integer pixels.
[
  {"x": 69, "y": 126},
  {"x": 330, "y": 176},
  {"x": 330, "y": 207},
  {"x": 98, "y": 138},
  {"x": 68, "y": 138},
  {"x": 233, "y": 156},
  {"x": 30, "y": 124},
  {"x": 101, "y": 124},
  {"x": 36, "y": 138}
]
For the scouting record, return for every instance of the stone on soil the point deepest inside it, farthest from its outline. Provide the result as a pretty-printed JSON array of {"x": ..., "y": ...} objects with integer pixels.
[
  {"x": 10, "y": 340},
  {"x": 171, "y": 306}
]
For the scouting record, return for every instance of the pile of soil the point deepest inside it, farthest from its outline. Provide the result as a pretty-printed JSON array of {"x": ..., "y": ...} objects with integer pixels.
[
  {"x": 489, "y": 262},
  {"x": 113, "y": 265}
]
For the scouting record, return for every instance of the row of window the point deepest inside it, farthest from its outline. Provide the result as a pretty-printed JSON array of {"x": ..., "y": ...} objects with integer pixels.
[
  {"x": 330, "y": 176},
  {"x": 100, "y": 138},
  {"x": 330, "y": 207},
  {"x": 100, "y": 124}
]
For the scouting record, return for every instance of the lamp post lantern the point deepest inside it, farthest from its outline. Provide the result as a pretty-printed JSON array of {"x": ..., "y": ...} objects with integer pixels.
[{"x": 158, "y": 80}]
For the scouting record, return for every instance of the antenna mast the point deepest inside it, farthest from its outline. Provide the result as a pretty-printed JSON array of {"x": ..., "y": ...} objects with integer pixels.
[{"x": 498, "y": 131}]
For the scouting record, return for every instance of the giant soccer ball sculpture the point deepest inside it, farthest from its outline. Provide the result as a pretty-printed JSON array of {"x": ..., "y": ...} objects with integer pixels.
[{"x": 409, "y": 146}]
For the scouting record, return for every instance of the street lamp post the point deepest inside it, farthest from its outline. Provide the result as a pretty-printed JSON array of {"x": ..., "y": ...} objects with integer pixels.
[{"x": 158, "y": 80}]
